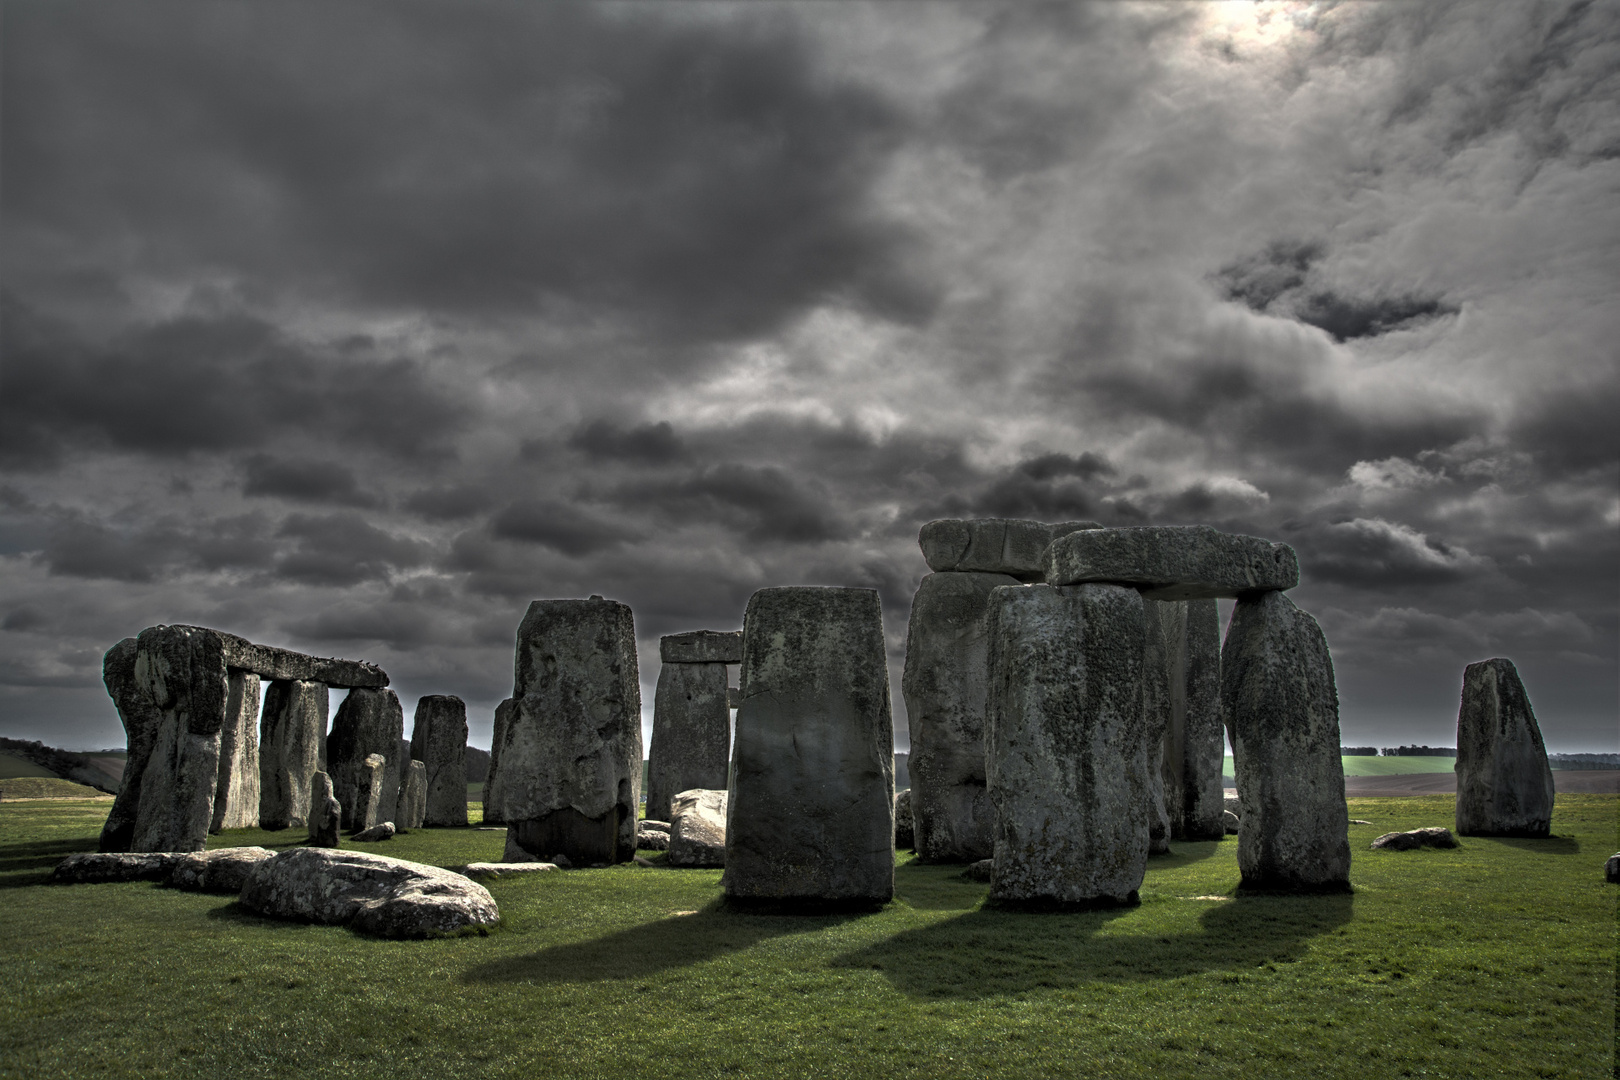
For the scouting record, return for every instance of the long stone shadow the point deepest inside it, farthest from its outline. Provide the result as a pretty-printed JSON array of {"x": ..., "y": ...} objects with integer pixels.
[
  {"x": 40, "y": 856},
  {"x": 989, "y": 952},
  {"x": 1549, "y": 845},
  {"x": 1184, "y": 853},
  {"x": 675, "y": 942}
]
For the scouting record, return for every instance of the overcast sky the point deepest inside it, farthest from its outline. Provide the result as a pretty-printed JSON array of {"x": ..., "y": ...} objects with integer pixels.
[{"x": 353, "y": 327}]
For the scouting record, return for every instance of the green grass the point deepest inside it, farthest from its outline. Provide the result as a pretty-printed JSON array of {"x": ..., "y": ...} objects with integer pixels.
[
  {"x": 13, "y": 767},
  {"x": 1494, "y": 959},
  {"x": 1382, "y": 766},
  {"x": 47, "y": 787}
]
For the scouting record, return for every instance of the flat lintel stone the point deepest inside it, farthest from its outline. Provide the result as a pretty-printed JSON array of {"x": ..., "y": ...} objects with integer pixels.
[
  {"x": 992, "y": 545},
  {"x": 702, "y": 647},
  {"x": 284, "y": 665},
  {"x": 1173, "y": 562}
]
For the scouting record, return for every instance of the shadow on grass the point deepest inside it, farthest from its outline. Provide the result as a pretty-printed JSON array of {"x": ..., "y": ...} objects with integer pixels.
[
  {"x": 989, "y": 952},
  {"x": 1184, "y": 853},
  {"x": 679, "y": 941},
  {"x": 24, "y": 865},
  {"x": 1551, "y": 845}
]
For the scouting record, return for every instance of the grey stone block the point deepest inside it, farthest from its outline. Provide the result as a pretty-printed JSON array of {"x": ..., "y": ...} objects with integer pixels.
[
  {"x": 181, "y": 671},
  {"x": 439, "y": 742},
  {"x": 811, "y": 812},
  {"x": 293, "y": 733},
  {"x": 1504, "y": 781},
  {"x": 992, "y": 545},
  {"x": 1433, "y": 836},
  {"x": 236, "y": 798},
  {"x": 1195, "y": 745},
  {"x": 905, "y": 826},
  {"x": 1173, "y": 562},
  {"x": 141, "y": 720},
  {"x": 368, "y": 793},
  {"x": 1278, "y": 690},
  {"x": 1068, "y": 757},
  {"x": 571, "y": 760},
  {"x": 325, "y": 812},
  {"x": 368, "y": 722},
  {"x": 691, "y": 734},
  {"x": 494, "y": 799},
  {"x": 412, "y": 808},
  {"x": 701, "y": 647},
  {"x": 697, "y": 829},
  {"x": 1156, "y": 720},
  {"x": 947, "y": 665},
  {"x": 370, "y": 893}
]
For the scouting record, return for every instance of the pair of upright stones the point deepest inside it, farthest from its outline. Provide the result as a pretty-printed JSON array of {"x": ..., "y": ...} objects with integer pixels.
[{"x": 1100, "y": 724}]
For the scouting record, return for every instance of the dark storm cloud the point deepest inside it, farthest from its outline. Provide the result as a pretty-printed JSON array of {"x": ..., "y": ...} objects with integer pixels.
[
  {"x": 304, "y": 481},
  {"x": 761, "y": 503},
  {"x": 343, "y": 549},
  {"x": 557, "y": 525},
  {"x": 452, "y": 503},
  {"x": 703, "y": 179},
  {"x": 1379, "y": 554},
  {"x": 652, "y": 443},
  {"x": 1576, "y": 429}
]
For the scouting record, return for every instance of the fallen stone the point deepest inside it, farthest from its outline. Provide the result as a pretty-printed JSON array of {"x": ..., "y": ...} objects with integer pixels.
[
  {"x": 412, "y": 806},
  {"x": 294, "y": 730},
  {"x": 1433, "y": 836},
  {"x": 1504, "y": 781},
  {"x": 691, "y": 733},
  {"x": 1230, "y": 822},
  {"x": 114, "y": 866},
  {"x": 514, "y": 853},
  {"x": 1611, "y": 869},
  {"x": 181, "y": 671},
  {"x": 905, "y": 831},
  {"x": 697, "y": 828},
  {"x": 325, "y": 812},
  {"x": 236, "y": 797},
  {"x": 947, "y": 665},
  {"x": 983, "y": 870},
  {"x": 439, "y": 742},
  {"x": 992, "y": 545},
  {"x": 494, "y": 786},
  {"x": 370, "y": 893},
  {"x": 562, "y": 861},
  {"x": 141, "y": 720},
  {"x": 1172, "y": 562},
  {"x": 383, "y": 830},
  {"x": 368, "y": 722},
  {"x": 1068, "y": 760},
  {"x": 504, "y": 869},
  {"x": 654, "y": 823},
  {"x": 368, "y": 791},
  {"x": 1195, "y": 739},
  {"x": 1277, "y": 689},
  {"x": 639, "y": 861},
  {"x": 812, "y": 793},
  {"x": 222, "y": 870},
  {"x": 652, "y": 839},
  {"x": 571, "y": 762},
  {"x": 702, "y": 647},
  {"x": 1359, "y": 821}
]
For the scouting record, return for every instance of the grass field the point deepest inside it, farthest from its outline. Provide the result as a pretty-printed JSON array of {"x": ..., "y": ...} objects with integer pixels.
[
  {"x": 1383, "y": 766},
  {"x": 13, "y": 767},
  {"x": 1494, "y": 959}
]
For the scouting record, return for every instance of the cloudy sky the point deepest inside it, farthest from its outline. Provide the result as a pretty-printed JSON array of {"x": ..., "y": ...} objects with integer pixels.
[{"x": 354, "y": 327}]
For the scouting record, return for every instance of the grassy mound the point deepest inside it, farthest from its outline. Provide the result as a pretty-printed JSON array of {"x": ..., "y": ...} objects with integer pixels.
[
  {"x": 1493, "y": 959},
  {"x": 14, "y": 766},
  {"x": 47, "y": 787}
]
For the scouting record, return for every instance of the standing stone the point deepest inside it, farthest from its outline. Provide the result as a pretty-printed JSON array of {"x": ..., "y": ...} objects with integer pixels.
[
  {"x": 1156, "y": 710},
  {"x": 368, "y": 722},
  {"x": 701, "y": 647},
  {"x": 439, "y": 742},
  {"x": 325, "y": 812},
  {"x": 1504, "y": 782},
  {"x": 236, "y": 798},
  {"x": 1277, "y": 688},
  {"x": 1195, "y": 752},
  {"x": 905, "y": 829},
  {"x": 1068, "y": 758},
  {"x": 181, "y": 670},
  {"x": 691, "y": 734},
  {"x": 141, "y": 720},
  {"x": 697, "y": 828},
  {"x": 947, "y": 664},
  {"x": 412, "y": 807},
  {"x": 294, "y": 731},
  {"x": 811, "y": 812},
  {"x": 571, "y": 759},
  {"x": 494, "y": 814},
  {"x": 368, "y": 793}
]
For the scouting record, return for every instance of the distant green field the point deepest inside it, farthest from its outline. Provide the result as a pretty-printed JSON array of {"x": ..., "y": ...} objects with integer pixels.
[
  {"x": 1384, "y": 766},
  {"x": 12, "y": 767},
  {"x": 45, "y": 787}
]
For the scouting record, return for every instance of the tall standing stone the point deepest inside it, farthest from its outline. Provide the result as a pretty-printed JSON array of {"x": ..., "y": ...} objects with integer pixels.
[
  {"x": 412, "y": 806},
  {"x": 367, "y": 794},
  {"x": 1277, "y": 688},
  {"x": 811, "y": 806},
  {"x": 1157, "y": 706},
  {"x": 325, "y": 812},
  {"x": 141, "y": 720},
  {"x": 368, "y": 722},
  {"x": 691, "y": 735},
  {"x": 947, "y": 665},
  {"x": 1067, "y": 752},
  {"x": 1195, "y": 752},
  {"x": 1504, "y": 782},
  {"x": 439, "y": 742},
  {"x": 293, "y": 734},
  {"x": 571, "y": 759},
  {"x": 181, "y": 671},
  {"x": 236, "y": 798},
  {"x": 494, "y": 804}
]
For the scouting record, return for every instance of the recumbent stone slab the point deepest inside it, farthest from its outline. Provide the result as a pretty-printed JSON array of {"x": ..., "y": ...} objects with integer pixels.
[
  {"x": 370, "y": 893},
  {"x": 293, "y": 735},
  {"x": 369, "y": 722},
  {"x": 811, "y": 809},
  {"x": 992, "y": 545},
  {"x": 1278, "y": 691},
  {"x": 571, "y": 760},
  {"x": 1067, "y": 752},
  {"x": 1172, "y": 562},
  {"x": 439, "y": 742},
  {"x": 1504, "y": 781},
  {"x": 701, "y": 647},
  {"x": 697, "y": 828},
  {"x": 1433, "y": 836},
  {"x": 222, "y": 870},
  {"x": 691, "y": 733}
]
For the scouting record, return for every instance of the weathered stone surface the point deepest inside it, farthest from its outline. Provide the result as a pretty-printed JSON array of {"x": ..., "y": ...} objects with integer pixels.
[
  {"x": 1230, "y": 822},
  {"x": 223, "y": 870},
  {"x": 1156, "y": 718},
  {"x": 701, "y": 647},
  {"x": 1172, "y": 562},
  {"x": 367, "y": 794},
  {"x": 236, "y": 797},
  {"x": 439, "y": 742},
  {"x": 992, "y": 545},
  {"x": 691, "y": 734},
  {"x": 293, "y": 733},
  {"x": 1068, "y": 758},
  {"x": 1195, "y": 744},
  {"x": 114, "y": 866},
  {"x": 1277, "y": 688},
  {"x": 947, "y": 664},
  {"x": 1433, "y": 836},
  {"x": 983, "y": 870},
  {"x": 571, "y": 760},
  {"x": 494, "y": 786},
  {"x": 412, "y": 806},
  {"x": 141, "y": 720},
  {"x": 653, "y": 836},
  {"x": 905, "y": 829},
  {"x": 811, "y": 813},
  {"x": 284, "y": 665},
  {"x": 503, "y": 869},
  {"x": 1504, "y": 782},
  {"x": 383, "y": 830},
  {"x": 371, "y": 893},
  {"x": 325, "y": 812},
  {"x": 1611, "y": 869},
  {"x": 367, "y": 722},
  {"x": 697, "y": 828},
  {"x": 181, "y": 671}
]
